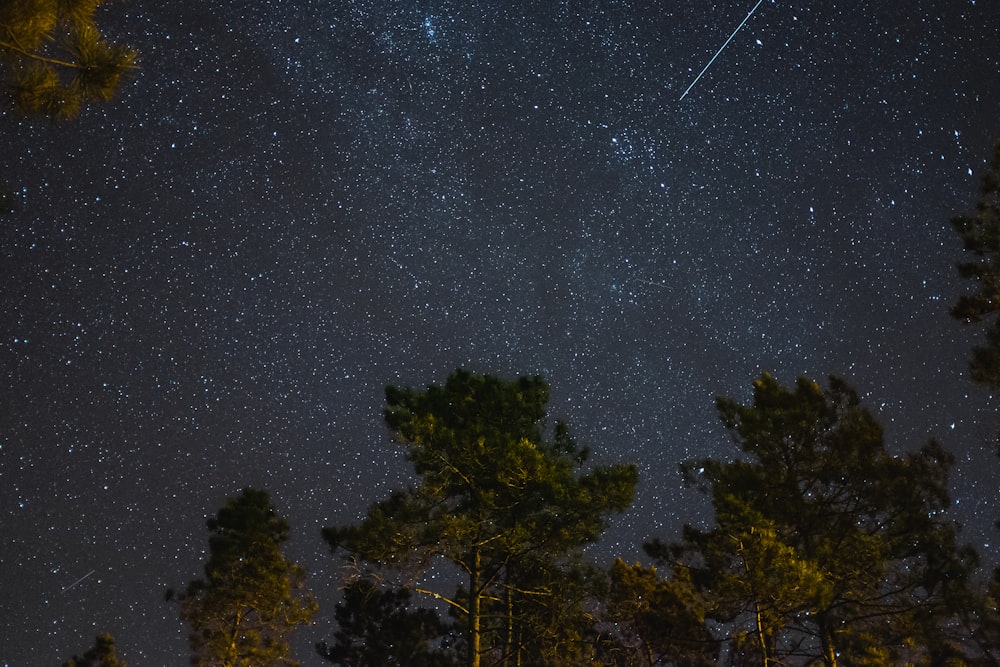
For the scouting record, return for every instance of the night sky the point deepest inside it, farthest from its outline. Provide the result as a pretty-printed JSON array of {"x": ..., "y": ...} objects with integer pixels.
[{"x": 292, "y": 204}]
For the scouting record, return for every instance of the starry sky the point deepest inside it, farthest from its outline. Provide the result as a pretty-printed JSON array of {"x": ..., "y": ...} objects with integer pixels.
[{"x": 292, "y": 204}]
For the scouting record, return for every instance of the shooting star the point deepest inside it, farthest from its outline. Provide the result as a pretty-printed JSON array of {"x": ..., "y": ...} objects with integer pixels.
[
  {"x": 721, "y": 48},
  {"x": 78, "y": 580}
]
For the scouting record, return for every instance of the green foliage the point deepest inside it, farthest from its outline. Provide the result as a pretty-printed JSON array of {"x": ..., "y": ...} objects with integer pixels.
[
  {"x": 381, "y": 629},
  {"x": 55, "y": 58},
  {"x": 508, "y": 509},
  {"x": 825, "y": 544},
  {"x": 102, "y": 654},
  {"x": 652, "y": 620},
  {"x": 545, "y": 611},
  {"x": 251, "y": 598},
  {"x": 980, "y": 233}
]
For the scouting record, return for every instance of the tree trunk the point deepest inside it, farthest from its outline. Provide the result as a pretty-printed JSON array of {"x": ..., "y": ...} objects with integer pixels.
[
  {"x": 510, "y": 626},
  {"x": 475, "y": 597},
  {"x": 826, "y": 637},
  {"x": 763, "y": 639},
  {"x": 233, "y": 653}
]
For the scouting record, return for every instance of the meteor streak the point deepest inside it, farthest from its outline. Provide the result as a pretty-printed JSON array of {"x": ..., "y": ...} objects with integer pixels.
[
  {"x": 78, "y": 580},
  {"x": 721, "y": 48}
]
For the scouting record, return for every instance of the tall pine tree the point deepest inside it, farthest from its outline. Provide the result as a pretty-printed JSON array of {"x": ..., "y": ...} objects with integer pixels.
[
  {"x": 495, "y": 500},
  {"x": 825, "y": 544},
  {"x": 252, "y": 598}
]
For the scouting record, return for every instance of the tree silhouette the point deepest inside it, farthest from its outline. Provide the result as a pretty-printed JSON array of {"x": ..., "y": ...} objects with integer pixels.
[
  {"x": 380, "y": 628},
  {"x": 251, "y": 598},
  {"x": 826, "y": 546},
  {"x": 980, "y": 233},
  {"x": 102, "y": 654},
  {"x": 495, "y": 500},
  {"x": 651, "y": 620}
]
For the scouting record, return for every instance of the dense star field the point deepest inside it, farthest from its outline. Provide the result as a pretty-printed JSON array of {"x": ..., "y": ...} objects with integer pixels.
[{"x": 292, "y": 204}]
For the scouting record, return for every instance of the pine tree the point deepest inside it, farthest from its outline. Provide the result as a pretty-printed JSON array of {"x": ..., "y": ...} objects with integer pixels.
[
  {"x": 102, "y": 654},
  {"x": 825, "y": 544},
  {"x": 252, "y": 597},
  {"x": 495, "y": 500}
]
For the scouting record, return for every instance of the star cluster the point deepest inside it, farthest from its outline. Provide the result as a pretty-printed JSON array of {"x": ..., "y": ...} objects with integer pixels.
[{"x": 291, "y": 205}]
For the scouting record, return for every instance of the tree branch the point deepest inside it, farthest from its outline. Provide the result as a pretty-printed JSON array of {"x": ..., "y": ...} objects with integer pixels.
[
  {"x": 438, "y": 596},
  {"x": 52, "y": 61}
]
